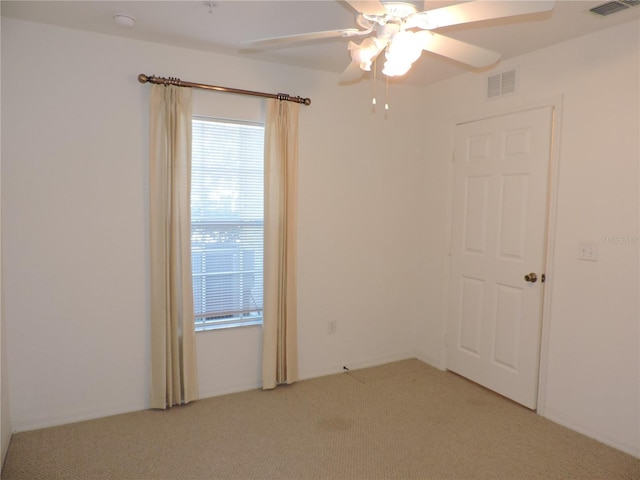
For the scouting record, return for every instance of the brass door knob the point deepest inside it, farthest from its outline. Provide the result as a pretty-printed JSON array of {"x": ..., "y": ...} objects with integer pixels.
[{"x": 531, "y": 277}]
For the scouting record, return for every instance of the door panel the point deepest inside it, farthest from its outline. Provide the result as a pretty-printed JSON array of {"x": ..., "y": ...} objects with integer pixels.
[
  {"x": 498, "y": 236},
  {"x": 514, "y": 193},
  {"x": 477, "y": 198},
  {"x": 472, "y": 300},
  {"x": 506, "y": 340}
]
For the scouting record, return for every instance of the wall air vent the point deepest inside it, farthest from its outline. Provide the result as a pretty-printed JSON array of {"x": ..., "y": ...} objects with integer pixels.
[
  {"x": 501, "y": 84},
  {"x": 613, "y": 7}
]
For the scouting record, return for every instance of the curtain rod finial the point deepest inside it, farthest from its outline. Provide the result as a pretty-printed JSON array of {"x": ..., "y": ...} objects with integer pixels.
[{"x": 142, "y": 78}]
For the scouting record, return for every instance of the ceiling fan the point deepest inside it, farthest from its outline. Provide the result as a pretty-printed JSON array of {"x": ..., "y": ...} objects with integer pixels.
[{"x": 404, "y": 32}]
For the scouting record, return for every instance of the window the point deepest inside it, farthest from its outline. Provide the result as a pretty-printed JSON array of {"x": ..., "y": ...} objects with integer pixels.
[{"x": 227, "y": 222}]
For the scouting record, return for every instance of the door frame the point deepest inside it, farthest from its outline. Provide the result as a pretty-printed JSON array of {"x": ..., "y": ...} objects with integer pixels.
[{"x": 555, "y": 103}]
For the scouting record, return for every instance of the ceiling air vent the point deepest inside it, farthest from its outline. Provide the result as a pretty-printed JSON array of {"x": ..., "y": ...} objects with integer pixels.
[{"x": 613, "y": 7}]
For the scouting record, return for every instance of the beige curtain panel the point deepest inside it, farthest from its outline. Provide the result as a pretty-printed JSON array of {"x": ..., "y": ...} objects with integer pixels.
[
  {"x": 173, "y": 361},
  {"x": 280, "y": 335}
]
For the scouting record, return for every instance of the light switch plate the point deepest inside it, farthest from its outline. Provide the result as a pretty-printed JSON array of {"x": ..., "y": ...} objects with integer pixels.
[{"x": 588, "y": 251}]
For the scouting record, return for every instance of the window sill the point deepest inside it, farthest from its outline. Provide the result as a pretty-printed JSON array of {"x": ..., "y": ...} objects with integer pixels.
[{"x": 208, "y": 328}]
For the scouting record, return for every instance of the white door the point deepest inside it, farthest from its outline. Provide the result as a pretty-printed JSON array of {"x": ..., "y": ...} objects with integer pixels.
[{"x": 501, "y": 170}]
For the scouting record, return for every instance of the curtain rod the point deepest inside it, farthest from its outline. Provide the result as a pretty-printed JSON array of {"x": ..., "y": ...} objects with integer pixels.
[{"x": 142, "y": 78}]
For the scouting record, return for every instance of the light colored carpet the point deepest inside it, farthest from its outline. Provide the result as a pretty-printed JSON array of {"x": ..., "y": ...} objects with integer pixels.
[{"x": 404, "y": 420}]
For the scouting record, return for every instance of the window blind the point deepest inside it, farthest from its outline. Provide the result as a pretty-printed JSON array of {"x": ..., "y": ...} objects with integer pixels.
[{"x": 227, "y": 208}]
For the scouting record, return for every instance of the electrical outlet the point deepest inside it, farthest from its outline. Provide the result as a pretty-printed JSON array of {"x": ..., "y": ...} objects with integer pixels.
[{"x": 332, "y": 327}]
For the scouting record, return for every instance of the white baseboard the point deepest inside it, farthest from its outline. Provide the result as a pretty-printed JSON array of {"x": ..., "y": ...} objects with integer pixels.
[
  {"x": 5, "y": 447},
  {"x": 357, "y": 365},
  {"x": 26, "y": 426},
  {"x": 429, "y": 360},
  {"x": 216, "y": 392},
  {"x": 55, "y": 421},
  {"x": 23, "y": 426},
  {"x": 562, "y": 419}
]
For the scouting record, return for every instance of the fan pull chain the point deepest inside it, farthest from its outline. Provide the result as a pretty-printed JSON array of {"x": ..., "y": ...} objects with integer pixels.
[
  {"x": 386, "y": 103},
  {"x": 373, "y": 101}
]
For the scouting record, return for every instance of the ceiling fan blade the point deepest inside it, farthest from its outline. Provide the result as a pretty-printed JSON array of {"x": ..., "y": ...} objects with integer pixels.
[
  {"x": 473, "y": 55},
  {"x": 351, "y": 74},
  {"x": 302, "y": 37},
  {"x": 368, "y": 7},
  {"x": 476, "y": 11}
]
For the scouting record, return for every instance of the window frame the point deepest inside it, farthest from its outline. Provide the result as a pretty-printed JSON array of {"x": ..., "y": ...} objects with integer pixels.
[{"x": 237, "y": 320}]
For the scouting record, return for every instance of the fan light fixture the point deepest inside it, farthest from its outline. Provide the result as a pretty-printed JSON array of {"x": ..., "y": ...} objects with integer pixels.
[
  {"x": 392, "y": 26},
  {"x": 364, "y": 53},
  {"x": 404, "y": 49},
  {"x": 402, "y": 45}
]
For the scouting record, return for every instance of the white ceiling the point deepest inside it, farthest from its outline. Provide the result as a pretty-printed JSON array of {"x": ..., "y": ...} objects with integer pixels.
[{"x": 189, "y": 24}]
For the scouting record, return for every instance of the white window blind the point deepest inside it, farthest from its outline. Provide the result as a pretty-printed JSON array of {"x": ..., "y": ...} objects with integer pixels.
[{"x": 227, "y": 209}]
